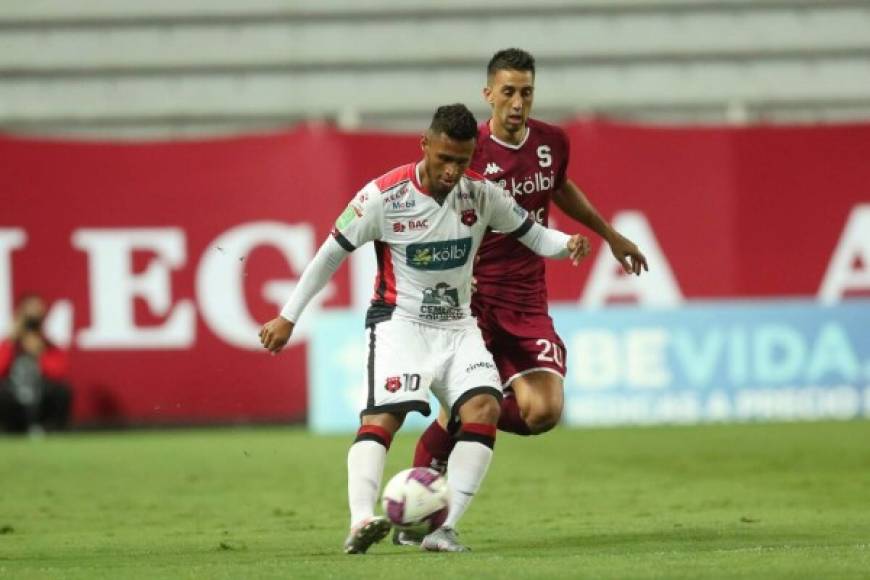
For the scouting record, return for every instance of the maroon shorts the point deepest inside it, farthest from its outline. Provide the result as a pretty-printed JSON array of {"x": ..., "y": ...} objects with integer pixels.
[{"x": 520, "y": 342}]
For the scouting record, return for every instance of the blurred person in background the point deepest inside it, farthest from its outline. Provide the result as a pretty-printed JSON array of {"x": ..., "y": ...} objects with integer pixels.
[
  {"x": 529, "y": 158},
  {"x": 34, "y": 396}
]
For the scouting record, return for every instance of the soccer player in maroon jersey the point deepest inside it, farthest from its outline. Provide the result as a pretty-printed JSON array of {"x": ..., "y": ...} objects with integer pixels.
[{"x": 529, "y": 158}]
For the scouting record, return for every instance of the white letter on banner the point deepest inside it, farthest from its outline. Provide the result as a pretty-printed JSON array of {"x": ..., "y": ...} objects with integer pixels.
[
  {"x": 832, "y": 357},
  {"x": 854, "y": 246},
  {"x": 658, "y": 287},
  {"x": 780, "y": 351},
  {"x": 647, "y": 358},
  {"x": 598, "y": 353},
  {"x": 113, "y": 288},
  {"x": 10, "y": 240},
  {"x": 220, "y": 289}
]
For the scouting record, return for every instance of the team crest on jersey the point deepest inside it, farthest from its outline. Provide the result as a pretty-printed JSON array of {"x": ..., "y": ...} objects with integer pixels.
[
  {"x": 393, "y": 384},
  {"x": 469, "y": 217}
]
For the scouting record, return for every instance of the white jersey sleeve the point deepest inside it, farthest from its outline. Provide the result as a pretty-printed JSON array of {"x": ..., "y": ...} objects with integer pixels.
[
  {"x": 504, "y": 214},
  {"x": 507, "y": 216},
  {"x": 361, "y": 220},
  {"x": 315, "y": 276},
  {"x": 546, "y": 242}
]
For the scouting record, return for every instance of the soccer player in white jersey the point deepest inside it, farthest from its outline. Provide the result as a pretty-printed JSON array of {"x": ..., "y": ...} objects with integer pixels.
[{"x": 426, "y": 220}]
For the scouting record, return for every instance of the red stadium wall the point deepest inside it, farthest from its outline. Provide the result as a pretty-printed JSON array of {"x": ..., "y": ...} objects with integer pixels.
[{"x": 161, "y": 258}]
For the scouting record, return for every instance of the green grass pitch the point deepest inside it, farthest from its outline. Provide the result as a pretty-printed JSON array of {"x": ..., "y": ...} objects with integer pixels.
[{"x": 744, "y": 501}]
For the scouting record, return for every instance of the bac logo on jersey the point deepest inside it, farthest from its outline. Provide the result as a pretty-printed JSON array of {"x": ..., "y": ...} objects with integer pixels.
[
  {"x": 469, "y": 217},
  {"x": 492, "y": 168},
  {"x": 438, "y": 255},
  {"x": 413, "y": 225},
  {"x": 393, "y": 384}
]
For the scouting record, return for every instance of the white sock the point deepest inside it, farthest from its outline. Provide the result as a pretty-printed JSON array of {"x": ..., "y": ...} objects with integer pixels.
[
  {"x": 365, "y": 467},
  {"x": 466, "y": 469}
]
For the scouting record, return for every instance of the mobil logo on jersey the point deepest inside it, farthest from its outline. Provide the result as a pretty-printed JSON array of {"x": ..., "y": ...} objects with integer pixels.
[
  {"x": 535, "y": 183},
  {"x": 439, "y": 255}
]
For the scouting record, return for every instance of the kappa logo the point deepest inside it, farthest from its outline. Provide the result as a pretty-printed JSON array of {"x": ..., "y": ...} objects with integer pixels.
[
  {"x": 438, "y": 255},
  {"x": 492, "y": 168},
  {"x": 393, "y": 384}
]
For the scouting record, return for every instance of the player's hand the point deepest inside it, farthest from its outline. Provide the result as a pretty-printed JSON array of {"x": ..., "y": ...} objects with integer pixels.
[
  {"x": 626, "y": 252},
  {"x": 474, "y": 278},
  {"x": 578, "y": 246},
  {"x": 275, "y": 334}
]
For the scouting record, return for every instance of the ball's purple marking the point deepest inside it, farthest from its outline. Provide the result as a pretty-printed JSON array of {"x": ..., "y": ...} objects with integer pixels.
[
  {"x": 424, "y": 476},
  {"x": 436, "y": 519},
  {"x": 395, "y": 511}
]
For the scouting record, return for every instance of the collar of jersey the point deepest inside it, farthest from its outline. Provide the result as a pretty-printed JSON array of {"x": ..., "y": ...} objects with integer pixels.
[{"x": 510, "y": 145}]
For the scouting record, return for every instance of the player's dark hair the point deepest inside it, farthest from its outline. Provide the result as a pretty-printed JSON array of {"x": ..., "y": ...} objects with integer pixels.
[
  {"x": 510, "y": 59},
  {"x": 455, "y": 121}
]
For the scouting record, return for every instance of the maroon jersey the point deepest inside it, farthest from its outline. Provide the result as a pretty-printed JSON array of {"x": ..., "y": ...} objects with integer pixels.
[{"x": 509, "y": 274}]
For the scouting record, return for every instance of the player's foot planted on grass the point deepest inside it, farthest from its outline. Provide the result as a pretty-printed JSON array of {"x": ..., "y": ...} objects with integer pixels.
[{"x": 443, "y": 539}]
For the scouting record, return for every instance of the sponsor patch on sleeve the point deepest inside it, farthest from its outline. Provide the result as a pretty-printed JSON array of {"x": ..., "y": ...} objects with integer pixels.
[{"x": 349, "y": 214}]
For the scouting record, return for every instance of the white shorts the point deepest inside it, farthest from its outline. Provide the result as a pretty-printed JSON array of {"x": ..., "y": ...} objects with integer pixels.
[{"x": 407, "y": 360}]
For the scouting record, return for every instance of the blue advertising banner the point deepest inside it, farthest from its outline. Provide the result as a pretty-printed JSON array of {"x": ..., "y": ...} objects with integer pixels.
[{"x": 722, "y": 361}]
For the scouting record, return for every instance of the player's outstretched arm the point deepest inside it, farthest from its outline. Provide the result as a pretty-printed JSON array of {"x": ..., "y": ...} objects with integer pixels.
[
  {"x": 275, "y": 333},
  {"x": 552, "y": 243},
  {"x": 506, "y": 216},
  {"x": 571, "y": 200}
]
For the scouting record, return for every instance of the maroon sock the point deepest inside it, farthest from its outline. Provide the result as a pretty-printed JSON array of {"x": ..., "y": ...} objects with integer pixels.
[
  {"x": 435, "y": 443},
  {"x": 511, "y": 420}
]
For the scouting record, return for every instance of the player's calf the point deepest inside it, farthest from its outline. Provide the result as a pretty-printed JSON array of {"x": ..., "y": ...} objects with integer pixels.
[
  {"x": 540, "y": 399},
  {"x": 541, "y": 419}
]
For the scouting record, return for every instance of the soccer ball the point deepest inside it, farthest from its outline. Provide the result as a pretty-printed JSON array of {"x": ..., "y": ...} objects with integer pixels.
[{"x": 417, "y": 499}]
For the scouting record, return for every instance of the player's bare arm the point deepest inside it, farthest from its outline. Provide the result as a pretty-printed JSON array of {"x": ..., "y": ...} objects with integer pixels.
[
  {"x": 275, "y": 334},
  {"x": 571, "y": 200}
]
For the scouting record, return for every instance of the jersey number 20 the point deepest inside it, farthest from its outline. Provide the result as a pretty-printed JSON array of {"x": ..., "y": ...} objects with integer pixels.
[{"x": 550, "y": 352}]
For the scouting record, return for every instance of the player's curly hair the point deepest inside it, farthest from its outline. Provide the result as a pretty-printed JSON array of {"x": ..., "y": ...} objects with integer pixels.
[
  {"x": 455, "y": 121},
  {"x": 510, "y": 59}
]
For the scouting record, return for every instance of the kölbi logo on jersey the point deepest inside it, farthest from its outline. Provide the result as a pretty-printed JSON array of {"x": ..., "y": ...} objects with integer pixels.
[
  {"x": 439, "y": 255},
  {"x": 532, "y": 184}
]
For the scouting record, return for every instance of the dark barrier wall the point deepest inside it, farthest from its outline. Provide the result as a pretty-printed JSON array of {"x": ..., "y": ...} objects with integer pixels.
[{"x": 161, "y": 260}]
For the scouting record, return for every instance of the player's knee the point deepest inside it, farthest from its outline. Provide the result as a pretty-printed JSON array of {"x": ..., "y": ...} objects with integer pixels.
[
  {"x": 543, "y": 418},
  {"x": 481, "y": 408}
]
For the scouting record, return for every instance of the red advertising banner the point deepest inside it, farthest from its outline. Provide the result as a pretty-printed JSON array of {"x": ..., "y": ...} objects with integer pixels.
[{"x": 161, "y": 260}]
